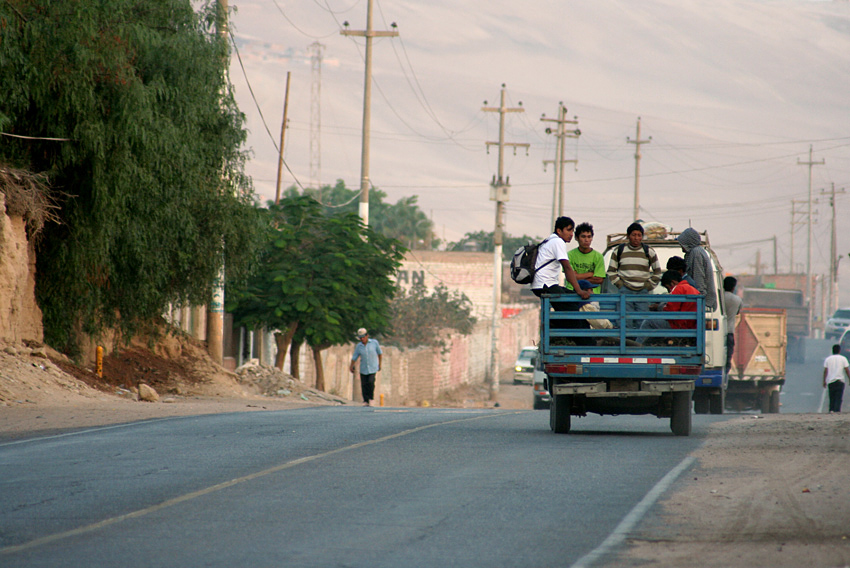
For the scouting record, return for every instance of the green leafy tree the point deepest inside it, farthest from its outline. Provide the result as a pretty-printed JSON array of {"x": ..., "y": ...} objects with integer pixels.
[
  {"x": 403, "y": 221},
  {"x": 128, "y": 112},
  {"x": 482, "y": 241},
  {"x": 418, "y": 317},
  {"x": 318, "y": 279}
]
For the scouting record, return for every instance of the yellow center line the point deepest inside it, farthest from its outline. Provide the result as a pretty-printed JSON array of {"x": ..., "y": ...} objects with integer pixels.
[{"x": 220, "y": 486}]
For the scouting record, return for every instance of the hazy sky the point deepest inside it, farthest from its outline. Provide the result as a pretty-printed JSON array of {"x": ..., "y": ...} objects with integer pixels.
[{"x": 732, "y": 92}]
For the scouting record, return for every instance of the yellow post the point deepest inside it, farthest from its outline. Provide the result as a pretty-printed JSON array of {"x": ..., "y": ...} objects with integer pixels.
[
  {"x": 382, "y": 399},
  {"x": 99, "y": 361}
]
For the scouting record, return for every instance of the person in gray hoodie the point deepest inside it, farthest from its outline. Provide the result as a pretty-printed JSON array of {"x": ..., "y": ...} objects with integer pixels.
[{"x": 698, "y": 265}]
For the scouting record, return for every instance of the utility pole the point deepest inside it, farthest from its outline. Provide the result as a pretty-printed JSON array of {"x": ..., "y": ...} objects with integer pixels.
[
  {"x": 282, "y": 138},
  {"x": 637, "y": 142},
  {"x": 316, "y": 117},
  {"x": 795, "y": 212},
  {"x": 809, "y": 291},
  {"x": 368, "y": 33},
  {"x": 795, "y": 216},
  {"x": 500, "y": 189},
  {"x": 215, "y": 310},
  {"x": 561, "y": 134},
  {"x": 833, "y": 252}
]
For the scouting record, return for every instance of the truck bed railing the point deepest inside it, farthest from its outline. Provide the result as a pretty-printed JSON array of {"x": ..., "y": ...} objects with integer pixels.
[{"x": 559, "y": 334}]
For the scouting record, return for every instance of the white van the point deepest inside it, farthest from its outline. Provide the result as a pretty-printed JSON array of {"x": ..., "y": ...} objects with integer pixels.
[{"x": 710, "y": 391}]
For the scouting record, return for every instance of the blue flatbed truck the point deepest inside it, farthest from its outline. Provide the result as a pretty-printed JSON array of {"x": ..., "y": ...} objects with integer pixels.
[{"x": 621, "y": 369}]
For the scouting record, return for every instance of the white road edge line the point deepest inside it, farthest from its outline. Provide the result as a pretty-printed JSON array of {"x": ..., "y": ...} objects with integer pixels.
[
  {"x": 221, "y": 486},
  {"x": 629, "y": 521},
  {"x": 95, "y": 429}
]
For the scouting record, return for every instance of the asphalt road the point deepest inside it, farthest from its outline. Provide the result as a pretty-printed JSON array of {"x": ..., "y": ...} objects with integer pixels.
[
  {"x": 331, "y": 487},
  {"x": 370, "y": 487}
]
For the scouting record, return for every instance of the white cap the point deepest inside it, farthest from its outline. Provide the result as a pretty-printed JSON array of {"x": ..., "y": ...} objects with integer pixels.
[{"x": 362, "y": 332}]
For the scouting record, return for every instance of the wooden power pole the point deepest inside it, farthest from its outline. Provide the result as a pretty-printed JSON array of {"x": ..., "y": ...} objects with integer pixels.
[{"x": 500, "y": 189}]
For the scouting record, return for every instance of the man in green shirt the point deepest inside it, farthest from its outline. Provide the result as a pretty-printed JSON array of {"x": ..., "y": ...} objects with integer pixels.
[{"x": 587, "y": 263}]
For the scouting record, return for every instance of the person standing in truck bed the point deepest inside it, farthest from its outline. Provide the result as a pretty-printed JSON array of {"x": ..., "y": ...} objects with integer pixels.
[
  {"x": 698, "y": 266},
  {"x": 634, "y": 269}
]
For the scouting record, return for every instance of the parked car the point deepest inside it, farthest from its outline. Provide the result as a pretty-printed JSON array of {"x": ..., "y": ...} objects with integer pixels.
[
  {"x": 844, "y": 342},
  {"x": 524, "y": 365},
  {"x": 541, "y": 395},
  {"x": 837, "y": 324}
]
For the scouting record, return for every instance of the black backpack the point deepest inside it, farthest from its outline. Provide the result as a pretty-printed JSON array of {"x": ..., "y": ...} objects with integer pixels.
[{"x": 523, "y": 261}]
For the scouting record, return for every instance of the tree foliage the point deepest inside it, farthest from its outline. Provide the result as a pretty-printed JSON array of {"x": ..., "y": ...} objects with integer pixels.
[
  {"x": 418, "y": 317},
  {"x": 319, "y": 278},
  {"x": 146, "y": 155},
  {"x": 403, "y": 220},
  {"x": 482, "y": 241}
]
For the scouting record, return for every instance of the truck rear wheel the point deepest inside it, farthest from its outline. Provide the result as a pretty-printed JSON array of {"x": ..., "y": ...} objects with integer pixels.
[
  {"x": 773, "y": 405},
  {"x": 764, "y": 402},
  {"x": 717, "y": 401},
  {"x": 701, "y": 404},
  {"x": 559, "y": 413},
  {"x": 680, "y": 419}
]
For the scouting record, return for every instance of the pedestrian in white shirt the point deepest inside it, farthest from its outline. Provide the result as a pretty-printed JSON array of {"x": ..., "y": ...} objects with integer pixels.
[{"x": 835, "y": 369}]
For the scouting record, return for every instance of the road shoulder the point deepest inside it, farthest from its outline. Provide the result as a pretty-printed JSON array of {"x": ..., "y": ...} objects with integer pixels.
[{"x": 767, "y": 490}]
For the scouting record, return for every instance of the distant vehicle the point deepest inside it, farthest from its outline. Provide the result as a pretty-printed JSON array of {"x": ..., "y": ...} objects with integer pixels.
[
  {"x": 758, "y": 371},
  {"x": 837, "y": 324},
  {"x": 541, "y": 394},
  {"x": 844, "y": 342},
  {"x": 524, "y": 366},
  {"x": 796, "y": 310}
]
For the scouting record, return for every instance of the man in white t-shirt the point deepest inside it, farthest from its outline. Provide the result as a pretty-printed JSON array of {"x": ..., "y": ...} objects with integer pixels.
[
  {"x": 551, "y": 258},
  {"x": 835, "y": 368}
]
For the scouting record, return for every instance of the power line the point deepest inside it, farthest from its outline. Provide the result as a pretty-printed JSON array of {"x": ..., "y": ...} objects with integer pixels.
[{"x": 260, "y": 110}]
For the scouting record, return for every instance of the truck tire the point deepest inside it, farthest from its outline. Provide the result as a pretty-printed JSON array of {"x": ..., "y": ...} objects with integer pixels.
[
  {"x": 717, "y": 402},
  {"x": 701, "y": 404},
  {"x": 559, "y": 413},
  {"x": 680, "y": 419},
  {"x": 773, "y": 404},
  {"x": 764, "y": 402}
]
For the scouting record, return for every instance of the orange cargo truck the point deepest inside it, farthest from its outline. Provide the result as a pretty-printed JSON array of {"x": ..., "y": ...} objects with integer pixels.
[{"x": 758, "y": 363}]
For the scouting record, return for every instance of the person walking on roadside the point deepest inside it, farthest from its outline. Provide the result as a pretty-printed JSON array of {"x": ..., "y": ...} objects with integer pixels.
[
  {"x": 835, "y": 368},
  {"x": 370, "y": 355}
]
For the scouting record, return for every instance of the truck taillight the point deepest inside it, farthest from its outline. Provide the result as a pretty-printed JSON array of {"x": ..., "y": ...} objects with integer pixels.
[
  {"x": 681, "y": 369},
  {"x": 564, "y": 369}
]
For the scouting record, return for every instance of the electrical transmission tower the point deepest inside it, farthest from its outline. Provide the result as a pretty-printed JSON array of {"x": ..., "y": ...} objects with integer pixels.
[{"x": 315, "y": 49}]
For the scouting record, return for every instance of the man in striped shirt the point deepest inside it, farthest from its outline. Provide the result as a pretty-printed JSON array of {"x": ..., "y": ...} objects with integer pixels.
[{"x": 634, "y": 269}]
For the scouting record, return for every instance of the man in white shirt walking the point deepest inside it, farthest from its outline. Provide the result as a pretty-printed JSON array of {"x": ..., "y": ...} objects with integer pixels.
[{"x": 835, "y": 368}]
